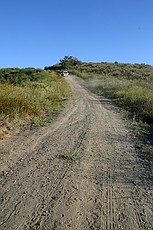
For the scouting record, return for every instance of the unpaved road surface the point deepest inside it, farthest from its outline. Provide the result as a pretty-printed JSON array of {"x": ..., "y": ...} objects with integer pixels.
[{"x": 81, "y": 172}]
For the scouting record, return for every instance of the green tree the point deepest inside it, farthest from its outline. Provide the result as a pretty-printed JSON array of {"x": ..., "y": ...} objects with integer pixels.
[{"x": 68, "y": 62}]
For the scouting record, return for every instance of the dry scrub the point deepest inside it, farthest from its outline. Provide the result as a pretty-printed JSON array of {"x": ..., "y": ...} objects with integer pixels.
[
  {"x": 31, "y": 101},
  {"x": 134, "y": 95}
]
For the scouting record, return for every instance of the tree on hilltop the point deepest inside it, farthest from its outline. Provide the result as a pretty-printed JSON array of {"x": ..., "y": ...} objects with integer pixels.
[{"x": 68, "y": 62}]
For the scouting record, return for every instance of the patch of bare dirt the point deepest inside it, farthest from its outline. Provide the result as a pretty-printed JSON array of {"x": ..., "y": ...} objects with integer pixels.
[{"x": 104, "y": 186}]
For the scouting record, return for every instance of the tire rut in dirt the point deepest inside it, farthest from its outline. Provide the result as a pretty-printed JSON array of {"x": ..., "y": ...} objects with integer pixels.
[{"x": 55, "y": 197}]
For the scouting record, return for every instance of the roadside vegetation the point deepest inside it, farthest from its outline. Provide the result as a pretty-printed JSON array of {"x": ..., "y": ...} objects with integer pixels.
[
  {"x": 135, "y": 95},
  {"x": 29, "y": 97}
]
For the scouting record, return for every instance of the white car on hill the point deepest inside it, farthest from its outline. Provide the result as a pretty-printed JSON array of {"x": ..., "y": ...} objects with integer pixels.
[{"x": 64, "y": 73}]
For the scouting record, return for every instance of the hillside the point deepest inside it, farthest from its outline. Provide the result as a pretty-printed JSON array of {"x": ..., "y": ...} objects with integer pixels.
[{"x": 129, "y": 71}]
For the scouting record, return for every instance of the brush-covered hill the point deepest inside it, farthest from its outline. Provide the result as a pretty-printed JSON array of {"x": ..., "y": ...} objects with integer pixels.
[{"x": 104, "y": 68}]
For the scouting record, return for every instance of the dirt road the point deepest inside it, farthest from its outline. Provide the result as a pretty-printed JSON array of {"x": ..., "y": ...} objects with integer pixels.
[{"x": 81, "y": 172}]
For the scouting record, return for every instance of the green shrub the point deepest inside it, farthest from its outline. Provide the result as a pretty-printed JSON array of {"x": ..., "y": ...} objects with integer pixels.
[{"x": 18, "y": 76}]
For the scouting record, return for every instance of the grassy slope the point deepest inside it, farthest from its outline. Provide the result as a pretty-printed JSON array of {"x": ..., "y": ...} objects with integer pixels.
[
  {"x": 131, "y": 85},
  {"x": 29, "y": 96}
]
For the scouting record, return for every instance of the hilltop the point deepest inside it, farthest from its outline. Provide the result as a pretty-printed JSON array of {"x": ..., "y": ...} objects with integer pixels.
[{"x": 115, "y": 69}]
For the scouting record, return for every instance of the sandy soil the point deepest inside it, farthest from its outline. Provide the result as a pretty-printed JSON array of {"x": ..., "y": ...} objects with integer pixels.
[{"x": 81, "y": 172}]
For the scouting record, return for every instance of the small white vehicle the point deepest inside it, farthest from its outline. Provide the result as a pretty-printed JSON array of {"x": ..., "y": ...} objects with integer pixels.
[{"x": 64, "y": 73}]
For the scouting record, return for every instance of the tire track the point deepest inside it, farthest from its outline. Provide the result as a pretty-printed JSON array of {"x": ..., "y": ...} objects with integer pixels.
[
  {"x": 36, "y": 218},
  {"x": 52, "y": 195},
  {"x": 10, "y": 214}
]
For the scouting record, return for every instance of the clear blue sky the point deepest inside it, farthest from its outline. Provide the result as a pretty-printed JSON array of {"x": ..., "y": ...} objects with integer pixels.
[{"x": 38, "y": 33}]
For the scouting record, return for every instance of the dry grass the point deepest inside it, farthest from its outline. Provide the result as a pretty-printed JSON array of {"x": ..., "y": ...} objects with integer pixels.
[
  {"x": 139, "y": 100},
  {"x": 134, "y": 95},
  {"x": 32, "y": 103}
]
